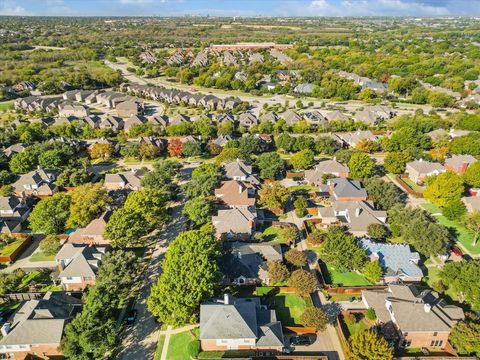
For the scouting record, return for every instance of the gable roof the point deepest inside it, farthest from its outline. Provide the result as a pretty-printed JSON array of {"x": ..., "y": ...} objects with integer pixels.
[
  {"x": 325, "y": 167},
  {"x": 236, "y": 221},
  {"x": 343, "y": 187},
  {"x": 83, "y": 260},
  {"x": 425, "y": 167},
  {"x": 235, "y": 193},
  {"x": 237, "y": 168}
]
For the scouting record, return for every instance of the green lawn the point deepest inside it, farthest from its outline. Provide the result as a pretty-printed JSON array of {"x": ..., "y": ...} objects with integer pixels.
[
  {"x": 177, "y": 347},
  {"x": 10, "y": 248},
  {"x": 357, "y": 327},
  {"x": 461, "y": 233},
  {"x": 40, "y": 256},
  {"x": 349, "y": 278},
  {"x": 289, "y": 308},
  {"x": 6, "y": 105},
  {"x": 414, "y": 186},
  {"x": 302, "y": 188},
  {"x": 158, "y": 351},
  {"x": 272, "y": 233}
]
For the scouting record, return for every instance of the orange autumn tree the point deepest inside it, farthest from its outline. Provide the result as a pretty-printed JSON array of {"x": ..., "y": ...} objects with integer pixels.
[{"x": 175, "y": 147}]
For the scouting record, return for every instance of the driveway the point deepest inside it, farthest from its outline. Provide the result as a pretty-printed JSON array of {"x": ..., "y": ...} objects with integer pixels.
[
  {"x": 140, "y": 340},
  {"x": 23, "y": 262}
]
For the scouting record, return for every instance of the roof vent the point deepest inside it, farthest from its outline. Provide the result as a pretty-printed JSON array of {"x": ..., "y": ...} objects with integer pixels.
[
  {"x": 5, "y": 329},
  {"x": 427, "y": 307}
]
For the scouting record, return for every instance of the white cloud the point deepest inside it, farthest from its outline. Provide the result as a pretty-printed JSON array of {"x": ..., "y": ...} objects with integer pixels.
[{"x": 11, "y": 8}]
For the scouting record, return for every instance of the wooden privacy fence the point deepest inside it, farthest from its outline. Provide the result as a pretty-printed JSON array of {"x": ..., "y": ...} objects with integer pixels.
[{"x": 408, "y": 188}]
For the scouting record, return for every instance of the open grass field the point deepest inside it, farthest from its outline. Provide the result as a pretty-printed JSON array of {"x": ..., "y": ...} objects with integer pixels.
[{"x": 461, "y": 233}]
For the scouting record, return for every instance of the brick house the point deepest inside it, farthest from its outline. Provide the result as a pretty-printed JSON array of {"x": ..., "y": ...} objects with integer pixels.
[
  {"x": 419, "y": 170},
  {"x": 333, "y": 167},
  {"x": 343, "y": 189},
  {"x": 417, "y": 315},
  {"x": 78, "y": 265},
  {"x": 240, "y": 324},
  {"x": 459, "y": 163}
]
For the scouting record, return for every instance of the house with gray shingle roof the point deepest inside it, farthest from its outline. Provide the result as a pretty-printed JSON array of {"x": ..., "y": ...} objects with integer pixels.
[
  {"x": 291, "y": 117},
  {"x": 270, "y": 117},
  {"x": 357, "y": 215},
  {"x": 246, "y": 263},
  {"x": 239, "y": 324},
  {"x": 78, "y": 265},
  {"x": 37, "y": 326},
  {"x": 398, "y": 262},
  {"x": 333, "y": 167},
  {"x": 235, "y": 224},
  {"x": 38, "y": 182},
  {"x": 304, "y": 88},
  {"x": 247, "y": 120},
  {"x": 419, "y": 170},
  {"x": 343, "y": 189},
  {"x": 418, "y": 316}
]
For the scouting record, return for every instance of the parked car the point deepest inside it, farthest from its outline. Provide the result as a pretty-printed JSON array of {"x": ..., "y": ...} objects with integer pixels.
[
  {"x": 132, "y": 315},
  {"x": 301, "y": 340},
  {"x": 5, "y": 315},
  {"x": 456, "y": 250}
]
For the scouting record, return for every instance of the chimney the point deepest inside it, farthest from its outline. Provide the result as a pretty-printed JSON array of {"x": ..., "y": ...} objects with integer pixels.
[
  {"x": 239, "y": 188},
  {"x": 5, "y": 329},
  {"x": 427, "y": 307},
  {"x": 331, "y": 185},
  {"x": 227, "y": 299},
  {"x": 463, "y": 168}
]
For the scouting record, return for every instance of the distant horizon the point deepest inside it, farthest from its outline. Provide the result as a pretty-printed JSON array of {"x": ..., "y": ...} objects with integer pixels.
[{"x": 245, "y": 8}]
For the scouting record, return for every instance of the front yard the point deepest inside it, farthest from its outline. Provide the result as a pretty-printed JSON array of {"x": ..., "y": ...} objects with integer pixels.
[
  {"x": 178, "y": 346},
  {"x": 461, "y": 233}
]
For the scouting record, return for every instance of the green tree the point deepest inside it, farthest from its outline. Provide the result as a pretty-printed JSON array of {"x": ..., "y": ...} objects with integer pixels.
[
  {"x": 444, "y": 188},
  {"x": 303, "y": 160},
  {"x": 454, "y": 210},
  {"x": 50, "y": 245},
  {"x": 73, "y": 177},
  {"x": 300, "y": 205},
  {"x": 277, "y": 272},
  {"x": 151, "y": 203},
  {"x": 314, "y": 317},
  {"x": 303, "y": 281},
  {"x": 377, "y": 231},
  {"x": 361, "y": 165},
  {"x": 198, "y": 210},
  {"x": 175, "y": 298},
  {"x": 273, "y": 196},
  {"x": 394, "y": 162},
  {"x": 191, "y": 148},
  {"x": 50, "y": 215},
  {"x": 205, "y": 169},
  {"x": 201, "y": 186},
  {"x": 368, "y": 345},
  {"x": 87, "y": 203},
  {"x": 463, "y": 279},
  {"x": 23, "y": 162},
  {"x": 472, "y": 175},
  {"x": 465, "y": 335},
  {"x": 296, "y": 258},
  {"x": 271, "y": 165},
  {"x": 342, "y": 250},
  {"x": 384, "y": 194},
  {"x": 125, "y": 228},
  {"x": 373, "y": 271},
  {"x": 472, "y": 223},
  {"x": 230, "y": 154}
]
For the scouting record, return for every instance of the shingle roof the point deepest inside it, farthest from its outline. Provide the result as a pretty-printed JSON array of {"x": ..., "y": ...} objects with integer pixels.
[
  {"x": 395, "y": 259},
  {"x": 347, "y": 188}
]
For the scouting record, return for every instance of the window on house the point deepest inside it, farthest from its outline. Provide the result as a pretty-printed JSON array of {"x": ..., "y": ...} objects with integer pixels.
[
  {"x": 69, "y": 278},
  {"x": 432, "y": 343},
  {"x": 440, "y": 342}
]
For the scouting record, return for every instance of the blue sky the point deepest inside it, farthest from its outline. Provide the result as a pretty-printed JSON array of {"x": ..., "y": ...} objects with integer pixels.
[{"x": 240, "y": 7}]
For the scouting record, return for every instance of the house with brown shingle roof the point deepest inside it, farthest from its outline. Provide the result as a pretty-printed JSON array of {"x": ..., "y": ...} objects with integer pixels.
[
  {"x": 333, "y": 167},
  {"x": 459, "y": 163},
  {"x": 237, "y": 223},
  {"x": 236, "y": 193},
  {"x": 38, "y": 182},
  {"x": 418, "y": 315},
  {"x": 92, "y": 234}
]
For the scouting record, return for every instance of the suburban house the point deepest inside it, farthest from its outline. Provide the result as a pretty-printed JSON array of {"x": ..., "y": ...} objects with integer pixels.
[
  {"x": 240, "y": 170},
  {"x": 472, "y": 203},
  {"x": 419, "y": 170},
  {"x": 133, "y": 120},
  {"x": 240, "y": 324},
  {"x": 246, "y": 263},
  {"x": 38, "y": 182},
  {"x": 398, "y": 262},
  {"x": 236, "y": 193},
  {"x": 111, "y": 122},
  {"x": 247, "y": 120},
  {"x": 235, "y": 224},
  {"x": 68, "y": 109},
  {"x": 178, "y": 119},
  {"x": 315, "y": 118},
  {"x": 36, "y": 329},
  {"x": 129, "y": 180},
  {"x": 333, "y": 167},
  {"x": 459, "y": 163},
  {"x": 354, "y": 138},
  {"x": 420, "y": 318},
  {"x": 343, "y": 189},
  {"x": 355, "y": 215},
  {"x": 304, "y": 88},
  {"x": 129, "y": 108},
  {"x": 78, "y": 265},
  {"x": 270, "y": 117},
  {"x": 222, "y": 140},
  {"x": 14, "y": 149},
  {"x": 92, "y": 234},
  {"x": 335, "y": 115},
  {"x": 14, "y": 208}
]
